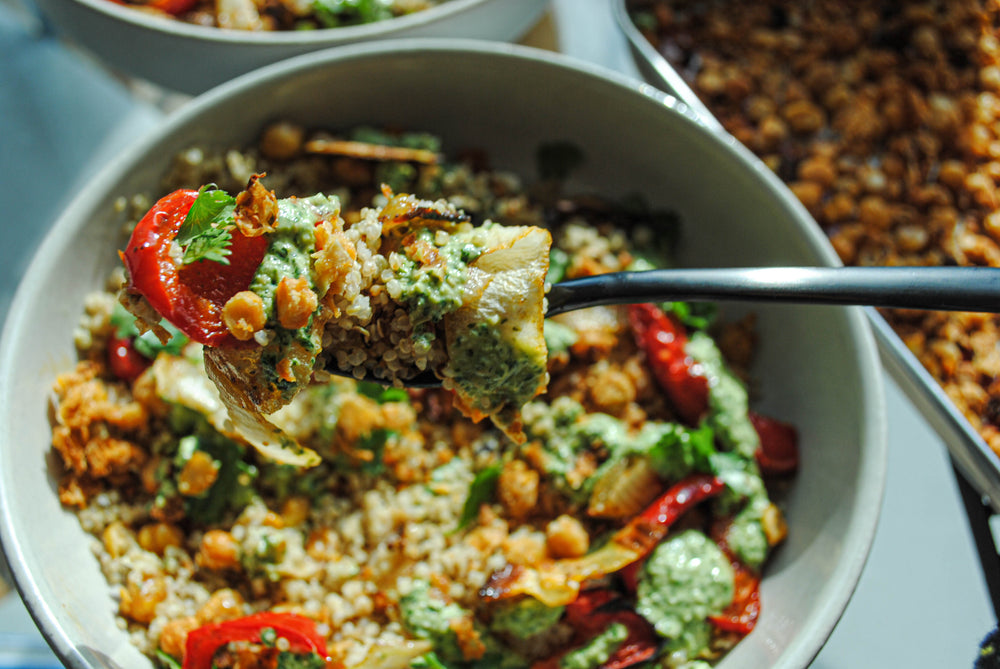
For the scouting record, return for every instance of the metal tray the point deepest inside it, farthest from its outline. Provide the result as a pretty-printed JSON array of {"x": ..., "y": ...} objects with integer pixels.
[{"x": 969, "y": 452}]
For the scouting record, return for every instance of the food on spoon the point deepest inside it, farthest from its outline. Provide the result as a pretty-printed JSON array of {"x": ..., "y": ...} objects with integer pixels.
[
  {"x": 259, "y": 280},
  {"x": 421, "y": 538}
]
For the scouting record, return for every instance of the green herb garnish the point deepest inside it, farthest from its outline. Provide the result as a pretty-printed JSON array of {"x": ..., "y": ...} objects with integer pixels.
[
  {"x": 205, "y": 233},
  {"x": 382, "y": 394},
  {"x": 481, "y": 491}
]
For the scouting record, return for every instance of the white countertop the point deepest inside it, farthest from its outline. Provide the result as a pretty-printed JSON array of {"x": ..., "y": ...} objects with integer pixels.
[{"x": 922, "y": 600}]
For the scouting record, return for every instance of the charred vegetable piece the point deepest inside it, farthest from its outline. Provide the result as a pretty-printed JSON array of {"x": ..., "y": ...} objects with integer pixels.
[
  {"x": 779, "y": 445},
  {"x": 125, "y": 362},
  {"x": 741, "y": 615},
  {"x": 663, "y": 339}
]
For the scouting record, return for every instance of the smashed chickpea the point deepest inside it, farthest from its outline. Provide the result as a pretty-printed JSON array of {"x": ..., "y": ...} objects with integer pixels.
[{"x": 884, "y": 120}]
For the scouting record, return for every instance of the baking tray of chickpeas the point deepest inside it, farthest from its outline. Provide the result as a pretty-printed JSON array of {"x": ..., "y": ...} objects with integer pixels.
[{"x": 883, "y": 119}]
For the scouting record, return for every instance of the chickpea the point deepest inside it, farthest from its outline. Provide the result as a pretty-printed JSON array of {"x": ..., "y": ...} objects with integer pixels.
[
  {"x": 295, "y": 302},
  {"x": 809, "y": 193},
  {"x": 139, "y": 601},
  {"x": 218, "y": 550},
  {"x": 117, "y": 539},
  {"x": 295, "y": 511},
  {"x": 272, "y": 519},
  {"x": 157, "y": 537},
  {"x": 244, "y": 314},
  {"x": 982, "y": 189},
  {"x": 526, "y": 548},
  {"x": 874, "y": 212},
  {"x": 222, "y": 605},
  {"x": 198, "y": 474},
  {"x": 610, "y": 389},
  {"x": 839, "y": 208},
  {"x": 772, "y": 131},
  {"x": 566, "y": 537},
  {"x": 819, "y": 170},
  {"x": 150, "y": 474},
  {"x": 173, "y": 636},
  {"x": 282, "y": 140},
  {"x": 803, "y": 117},
  {"x": 517, "y": 488}
]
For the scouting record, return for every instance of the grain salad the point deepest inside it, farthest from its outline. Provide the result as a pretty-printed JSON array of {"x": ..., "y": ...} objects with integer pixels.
[
  {"x": 261, "y": 15},
  {"x": 630, "y": 522},
  {"x": 882, "y": 118}
]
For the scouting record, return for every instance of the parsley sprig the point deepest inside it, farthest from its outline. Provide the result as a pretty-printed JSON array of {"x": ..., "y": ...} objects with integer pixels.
[{"x": 206, "y": 233}]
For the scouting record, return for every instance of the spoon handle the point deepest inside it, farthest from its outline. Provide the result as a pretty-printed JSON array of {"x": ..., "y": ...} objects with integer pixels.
[{"x": 929, "y": 288}]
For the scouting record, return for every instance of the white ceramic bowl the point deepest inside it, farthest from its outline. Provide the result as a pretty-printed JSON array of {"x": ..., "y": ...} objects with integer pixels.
[
  {"x": 817, "y": 366},
  {"x": 191, "y": 59}
]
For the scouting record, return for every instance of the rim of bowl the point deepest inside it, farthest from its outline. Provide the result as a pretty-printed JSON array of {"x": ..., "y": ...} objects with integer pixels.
[
  {"x": 321, "y": 36},
  {"x": 872, "y": 462}
]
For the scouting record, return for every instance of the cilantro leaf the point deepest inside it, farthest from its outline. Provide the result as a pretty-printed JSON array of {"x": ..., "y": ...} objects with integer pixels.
[
  {"x": 481, "y": 491},
  {"x": 382, "y": 394},
  {"x": 211, "y": 205},
  {"x": 204, "y": 234},
  {"x": 213, "y": 244}
]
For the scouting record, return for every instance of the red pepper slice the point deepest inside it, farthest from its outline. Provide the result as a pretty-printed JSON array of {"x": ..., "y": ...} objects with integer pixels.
[
  {"x": 663, "y": 338},
  {"x": 189, "y": 296},
  {"x": 174, "y": 7},
  {"x": 651, "y": 526},
  {"x": 779, "y": 445},
  {"x": 300, "y": 632},
  {"x": 125, "y": 362},
  {"x": 741, "y": 615}
]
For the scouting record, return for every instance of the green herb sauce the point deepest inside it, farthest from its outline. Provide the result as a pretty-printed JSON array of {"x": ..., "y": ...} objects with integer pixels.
[
  {"x": 597, "y": 651},
  {"x": 686, "y": 579},
  {"x": 431, "y": 290},
  {"x": 727, "y": 398}
]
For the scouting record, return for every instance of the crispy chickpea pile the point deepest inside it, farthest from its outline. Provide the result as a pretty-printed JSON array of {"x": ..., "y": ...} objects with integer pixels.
[{"x": 884, "y": 119}]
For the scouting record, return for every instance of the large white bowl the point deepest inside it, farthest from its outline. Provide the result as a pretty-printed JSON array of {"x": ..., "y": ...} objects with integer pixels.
[
  {"x": 191, "y": 59},
  {"x": 817, "y": 365}
]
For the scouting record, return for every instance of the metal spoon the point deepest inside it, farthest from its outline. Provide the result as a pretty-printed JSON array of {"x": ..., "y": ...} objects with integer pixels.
[{"x": 927, "y": 288}]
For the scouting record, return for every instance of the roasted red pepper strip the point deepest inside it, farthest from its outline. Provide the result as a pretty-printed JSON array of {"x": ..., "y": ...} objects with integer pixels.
[
  {"x": 125, "y": 362},
  {"x": 741, "y": 616},
  {"x": 174, "y": 7},
  {"x": 779, "y": 445},
  {"x": 663, "y": 339},
  {"x": 189, "y": 296},
  {"x": 652, "y": 525},
  {"x": 300, "y": 632}
]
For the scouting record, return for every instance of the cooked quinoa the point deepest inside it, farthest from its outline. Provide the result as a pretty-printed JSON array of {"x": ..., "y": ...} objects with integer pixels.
[
  {"x": 257, "y": 15},
  {"x": 415, "y": 539},
  {"x": 882, "y": 118}
]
